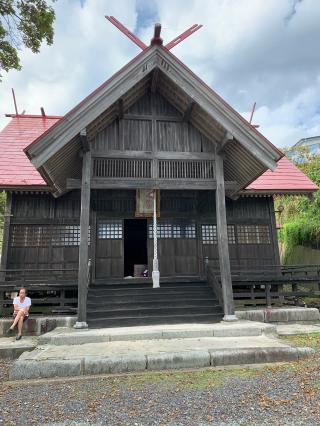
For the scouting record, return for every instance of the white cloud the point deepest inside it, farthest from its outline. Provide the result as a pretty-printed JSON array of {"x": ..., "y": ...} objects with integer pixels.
[
  {"x": 263, "y": 51},
  {"x": 87, "y": 49}
]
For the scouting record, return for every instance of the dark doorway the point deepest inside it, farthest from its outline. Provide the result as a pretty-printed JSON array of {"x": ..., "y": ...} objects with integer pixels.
[{"x": 135, "y": 244}]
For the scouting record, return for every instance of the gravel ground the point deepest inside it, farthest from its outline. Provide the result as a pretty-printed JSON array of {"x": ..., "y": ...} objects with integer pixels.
[{"x": 279, "y": 395}]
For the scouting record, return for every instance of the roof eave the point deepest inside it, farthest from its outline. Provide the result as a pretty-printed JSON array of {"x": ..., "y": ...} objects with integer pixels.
[
  {"x": 279, "y": 191},
  {"x": 40, "y": 150}
]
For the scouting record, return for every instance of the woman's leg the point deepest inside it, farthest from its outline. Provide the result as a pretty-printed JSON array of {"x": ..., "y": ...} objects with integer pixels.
[
  {"x": 19, "y": 315},
  {"x": 20, "y": 324}
]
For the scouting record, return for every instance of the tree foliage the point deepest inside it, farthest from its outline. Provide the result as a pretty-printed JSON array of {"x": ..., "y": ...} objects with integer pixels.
[
  {"x": 23, "y": 23},
  {"x": 301, "y": 215}
]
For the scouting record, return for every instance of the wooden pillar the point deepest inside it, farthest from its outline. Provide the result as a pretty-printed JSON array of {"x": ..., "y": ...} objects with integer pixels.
[
  {"x": 223, "y": 247},
  {"x": 84, "y": 241},
  {"x": 6, "y": 233}
]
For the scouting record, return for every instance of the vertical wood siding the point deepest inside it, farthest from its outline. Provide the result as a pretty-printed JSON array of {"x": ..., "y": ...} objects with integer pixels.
[{"x": 178, "y": 256}]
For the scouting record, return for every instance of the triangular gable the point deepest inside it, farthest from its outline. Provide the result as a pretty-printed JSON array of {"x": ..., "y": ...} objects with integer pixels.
[
  {"x": 211, "y": 112},
  {"x": 16, "y": 171}
]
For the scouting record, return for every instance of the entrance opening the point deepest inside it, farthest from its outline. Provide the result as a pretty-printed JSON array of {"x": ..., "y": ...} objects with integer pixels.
[{"x": 135, "y": 246}]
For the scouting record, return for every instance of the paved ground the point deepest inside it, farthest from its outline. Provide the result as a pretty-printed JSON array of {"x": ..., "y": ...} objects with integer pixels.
[{"x": 287, "y": 394}]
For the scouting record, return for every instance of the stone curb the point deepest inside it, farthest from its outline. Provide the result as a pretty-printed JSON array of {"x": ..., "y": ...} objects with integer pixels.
[
  {"x": 14, "y": 352},
  {"x": 281, "y": 315},
  {"x": 36, "y": 326},
  {"x": 82, "y": 337},
  {"x": 28, "y": 368}
]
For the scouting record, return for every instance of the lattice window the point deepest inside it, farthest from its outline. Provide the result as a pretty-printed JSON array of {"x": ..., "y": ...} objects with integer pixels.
[
  {"x": 30, "y": 236},
  {"x": 110, "y": 230},
  {"x": 209, "y": 234},
  {"x": 173, "y": 230},
  {"x": 231, "y": 234},
  {"x": 66, "y": 235},
  {"x": 190, "y": 231},
  {"x": 253, "y": 234},
  {"x": 45, "y": 235}
]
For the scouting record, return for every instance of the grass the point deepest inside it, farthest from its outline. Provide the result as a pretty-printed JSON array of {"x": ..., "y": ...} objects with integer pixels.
[
  {"x": 311, "y": 340},
  {"x": 178, "y": 380}
]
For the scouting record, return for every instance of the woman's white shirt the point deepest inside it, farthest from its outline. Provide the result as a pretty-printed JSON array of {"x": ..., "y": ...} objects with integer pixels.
[{"x": 24, "y": 304}]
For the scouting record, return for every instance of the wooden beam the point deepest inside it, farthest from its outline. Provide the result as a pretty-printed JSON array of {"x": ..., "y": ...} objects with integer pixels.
[
  {"x": 123, "y": 183},
  {"x": 6, "y": 233},
  {"x": 154, "y": 80},
  {"x": 225, "y": 141},
  {"x": 84, "y": 241},
  {"x": 120, "y": 111},
  {"x": 188, "y": 112},
  {"x": 223, "y": 245},
  {"x": 84, "y": 141},
  {"x": 149, "y": 117},
  {"x": 160, "y": 155}
]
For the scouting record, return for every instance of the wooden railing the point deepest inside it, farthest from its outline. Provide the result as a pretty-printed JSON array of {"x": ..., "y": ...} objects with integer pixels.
[
  {"x": 153, "y": 168},
  {"x": 215, "y": 284},
  {"x": 52, "y": 291},
  {"x": 186, "y": 169},
  {"x": 10, "y": 277},
  {"x": 122, "y": 168},
  {"x": 274, "y": 284}
]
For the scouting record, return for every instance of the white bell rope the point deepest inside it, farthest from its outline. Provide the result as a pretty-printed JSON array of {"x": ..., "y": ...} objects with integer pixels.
[{"x": 155, "y": 271}]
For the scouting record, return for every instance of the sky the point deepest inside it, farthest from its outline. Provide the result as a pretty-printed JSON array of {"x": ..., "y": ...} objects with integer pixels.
[{"x": 248, "y": 51}]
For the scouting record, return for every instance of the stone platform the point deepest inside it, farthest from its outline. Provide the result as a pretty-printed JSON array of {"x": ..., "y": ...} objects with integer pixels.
[
  {"x": 70, "y": 336},
  {"x": 64, "y": 353}
]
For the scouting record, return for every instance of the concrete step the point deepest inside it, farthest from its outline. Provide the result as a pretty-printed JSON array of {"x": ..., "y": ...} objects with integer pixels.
[{"x": 143, "y": 355}]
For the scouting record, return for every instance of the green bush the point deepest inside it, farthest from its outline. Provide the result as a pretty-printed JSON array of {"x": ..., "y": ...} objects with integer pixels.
[{"x": 300, "y": 218}]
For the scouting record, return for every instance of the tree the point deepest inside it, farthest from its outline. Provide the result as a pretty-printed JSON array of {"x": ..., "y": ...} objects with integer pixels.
[{"x": 23, "y": 23}]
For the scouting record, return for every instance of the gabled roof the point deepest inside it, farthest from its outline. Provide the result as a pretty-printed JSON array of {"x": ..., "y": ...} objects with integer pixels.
[
  {"x": 55, "y": 153},
  {"x": 15, "y": 167},
  {"x": 286, "y": 178},
  {"x": 16, "y": 171}
]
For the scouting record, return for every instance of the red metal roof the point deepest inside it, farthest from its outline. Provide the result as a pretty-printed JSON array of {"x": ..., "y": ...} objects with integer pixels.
[
  {"x": 17, "y": 171},
  {"x": 15, "y": 168},
  {"x": 286, "y": 178}
]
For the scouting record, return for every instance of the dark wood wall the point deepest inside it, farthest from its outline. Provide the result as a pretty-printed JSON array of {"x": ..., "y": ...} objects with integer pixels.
[
  {"x": 44, "y": 232},
  {"x": 151, "y": 124}
]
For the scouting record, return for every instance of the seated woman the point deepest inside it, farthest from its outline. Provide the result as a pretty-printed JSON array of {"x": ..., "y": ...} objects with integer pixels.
[{"x": 21, "y": 305}]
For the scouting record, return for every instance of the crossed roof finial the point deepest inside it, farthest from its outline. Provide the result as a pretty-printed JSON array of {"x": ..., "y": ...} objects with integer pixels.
[{"x": 156, "y": 39}]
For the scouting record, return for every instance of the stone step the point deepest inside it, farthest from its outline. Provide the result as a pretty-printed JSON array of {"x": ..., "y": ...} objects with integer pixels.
[
  {"x": 140, "y": 356},
  {"x": 12, "y": 349},
  {"x": 71, "y": 336}
]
